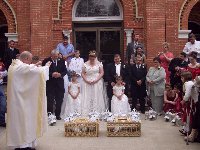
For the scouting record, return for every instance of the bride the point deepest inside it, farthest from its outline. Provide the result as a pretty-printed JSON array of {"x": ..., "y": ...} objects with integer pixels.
[{"x": 93, "y": 92}]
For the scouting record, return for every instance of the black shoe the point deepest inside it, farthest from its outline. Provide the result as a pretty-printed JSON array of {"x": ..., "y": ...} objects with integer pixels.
[
  {"x": 58, "y": 118},
  {"x": 182, "y": 131},
  {"x": 3, "y": 125},
  {"x": 52, "y": 124},
  {"x": 27, "y": 148}
]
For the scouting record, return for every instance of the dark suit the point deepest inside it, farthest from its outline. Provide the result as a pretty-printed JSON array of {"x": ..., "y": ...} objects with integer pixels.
[
  {"x": 9, "y": 55},
  {"x": 138, "y": 91},
  {"x": 175, "y": 77},
  {"x": 55, "y": 86},
  {"x": 110, "y": 75},
  {"x": 131, "y": 49}
]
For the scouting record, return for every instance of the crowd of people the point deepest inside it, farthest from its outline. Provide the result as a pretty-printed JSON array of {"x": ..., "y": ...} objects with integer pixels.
[{"x": 75, "y": 86}]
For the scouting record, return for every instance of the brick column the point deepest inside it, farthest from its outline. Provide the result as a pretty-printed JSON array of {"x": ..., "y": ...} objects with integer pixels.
[
  {"x": 154, "y": 27},
  {"x": 23, "y": 20},
  {"x": 41, "y": 27}
]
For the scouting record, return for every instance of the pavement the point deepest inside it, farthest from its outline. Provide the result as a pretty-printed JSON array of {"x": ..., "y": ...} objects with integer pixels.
[{"x": 156, "y": 135}]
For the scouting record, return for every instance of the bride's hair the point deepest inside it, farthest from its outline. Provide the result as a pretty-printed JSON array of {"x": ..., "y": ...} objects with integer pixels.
[{"x": 93, "y": 53}]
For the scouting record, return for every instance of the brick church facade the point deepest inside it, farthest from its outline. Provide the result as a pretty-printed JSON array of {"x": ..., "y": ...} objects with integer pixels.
[{"x": 38, "y": 25}]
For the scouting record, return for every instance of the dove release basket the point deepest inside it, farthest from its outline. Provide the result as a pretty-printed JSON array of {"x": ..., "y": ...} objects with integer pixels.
[
  {"x": 81, "y": 127},
  {"x": 123, "y": 127}
]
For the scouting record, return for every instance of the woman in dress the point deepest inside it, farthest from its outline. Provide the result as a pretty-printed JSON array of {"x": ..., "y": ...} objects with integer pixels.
[
  {"x": 93, "y": 92},
  {"x": 156, "y": 83},
  {"x": 119, "y": 100},
  {"x": 170, "y": 98},
  {"x": 166, "y": 58},
  {"x": 193, "y": 67}
]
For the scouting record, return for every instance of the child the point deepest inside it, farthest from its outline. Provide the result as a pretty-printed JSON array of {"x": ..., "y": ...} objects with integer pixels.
[
  {"x": 119, "y": 103},
  {"x": 73, "y": 101},
  {"x": 76, "y": 64},
  {"x": 189, "y": 98},
  {"x": 170, "y": 98}
]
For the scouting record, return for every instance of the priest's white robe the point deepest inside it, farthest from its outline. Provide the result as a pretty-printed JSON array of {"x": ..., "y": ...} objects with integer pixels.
[{"x": 26, "y": 103}]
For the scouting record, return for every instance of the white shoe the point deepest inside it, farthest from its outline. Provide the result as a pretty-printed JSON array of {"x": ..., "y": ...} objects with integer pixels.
[{"x": 51, "y": 119}]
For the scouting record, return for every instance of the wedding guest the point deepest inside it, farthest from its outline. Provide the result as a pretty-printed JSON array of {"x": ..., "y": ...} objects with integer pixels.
[
  {"x": 138, "y": 74},
  {"x": 194, "y": 66},
  {"x": 55, "y": 85},
  {"x": 176, "y": 66},
  {"x": 76, "y": 64},
  {"x": 140, "y": 53},
  {"x": 195, "y": 134},
  {"x": 131, "y": 48},
  {"x": 116, "y": 69},
  {"x": 66, "y": 49},
  {"x": 192, "y": 46},
  {"x": 10, "y": 54},
  {"x": 170, "y": 98},
  {"x": 3, "y": 73},
  {"x": 189, "y": 99},
  {"x": 156, "y": 85},
  {"x": 93, "y": 92},
  {"x": 178, "y": 88},
  {"x": 166, "y": 56},
  {"x": 119, "y": 100}
]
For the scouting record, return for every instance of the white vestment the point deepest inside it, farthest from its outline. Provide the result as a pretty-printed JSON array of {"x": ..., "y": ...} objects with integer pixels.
[{"x": 26, "y": 103}]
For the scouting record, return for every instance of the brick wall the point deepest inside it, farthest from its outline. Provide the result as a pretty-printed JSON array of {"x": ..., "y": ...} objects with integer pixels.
[{"x": 40, "y": 23}]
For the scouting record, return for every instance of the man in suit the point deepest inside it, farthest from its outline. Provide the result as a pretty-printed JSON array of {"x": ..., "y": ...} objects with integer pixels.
[
  {"x": 55, "y": 84},
  {"x": 131, "y": 48},
  {"x": 10, "y": 54},
  {"x": 138, "y": 74},
  {"x": 175, "y": 67},
  {"x": 113, "y": 70}
]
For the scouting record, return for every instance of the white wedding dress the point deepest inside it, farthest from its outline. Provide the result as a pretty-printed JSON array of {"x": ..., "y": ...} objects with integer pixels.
[{"x": 93, "y": 97}]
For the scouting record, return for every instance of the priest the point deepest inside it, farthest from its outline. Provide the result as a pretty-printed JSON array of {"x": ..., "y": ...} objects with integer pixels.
[{"x": 26, "y": 102}]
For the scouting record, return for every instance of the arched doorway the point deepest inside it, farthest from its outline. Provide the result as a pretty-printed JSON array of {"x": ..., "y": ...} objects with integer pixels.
[
  {"x": 194, "y": 20},
  {"x": 3, "y": 30},
  {"x": 97, "y": 25}
]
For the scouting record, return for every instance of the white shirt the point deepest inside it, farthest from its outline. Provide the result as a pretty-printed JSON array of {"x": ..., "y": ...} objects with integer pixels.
[
  {"x": 76, "y": 65},
  {"x": 118, "y": 68},
  {"x": 189, "y": 47}
]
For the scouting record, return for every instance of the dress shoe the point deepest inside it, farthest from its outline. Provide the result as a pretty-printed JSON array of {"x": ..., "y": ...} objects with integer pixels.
[
  {"x": 58, "y": 118},
  {"x": 2, "y": 124}
]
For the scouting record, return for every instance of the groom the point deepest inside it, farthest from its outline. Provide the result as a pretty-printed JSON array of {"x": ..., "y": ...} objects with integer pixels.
[{"x": 112, "y": 70}]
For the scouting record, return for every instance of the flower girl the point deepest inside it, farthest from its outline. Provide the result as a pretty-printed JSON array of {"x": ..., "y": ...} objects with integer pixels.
[
  {"x": 73, "y": 104},
  {"x": 119, "y": 103}
]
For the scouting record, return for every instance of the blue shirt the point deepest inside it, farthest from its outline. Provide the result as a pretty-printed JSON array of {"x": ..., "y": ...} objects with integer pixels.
[{"x": 66, "y": 50}]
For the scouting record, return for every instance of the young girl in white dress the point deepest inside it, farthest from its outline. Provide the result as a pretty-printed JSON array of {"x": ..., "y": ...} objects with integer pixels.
[
  {"x": 73, "y": 104},
  {"x": 119, "y": 103}
]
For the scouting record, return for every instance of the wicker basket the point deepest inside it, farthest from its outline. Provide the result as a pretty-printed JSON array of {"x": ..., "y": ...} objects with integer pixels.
[
  {"x": 81, "y": 128},
  {"x": 123, "y": 127}
]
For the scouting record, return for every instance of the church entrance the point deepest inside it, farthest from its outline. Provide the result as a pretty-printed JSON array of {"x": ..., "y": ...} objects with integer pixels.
[
  {"x": 97, "y": 25},
  {"x": 3, "y": 30},
  {"x": 194, "y": 20}
]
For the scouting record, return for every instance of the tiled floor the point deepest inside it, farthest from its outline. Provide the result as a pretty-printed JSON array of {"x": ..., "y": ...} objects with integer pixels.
[{"x": 156, "y": 135}]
